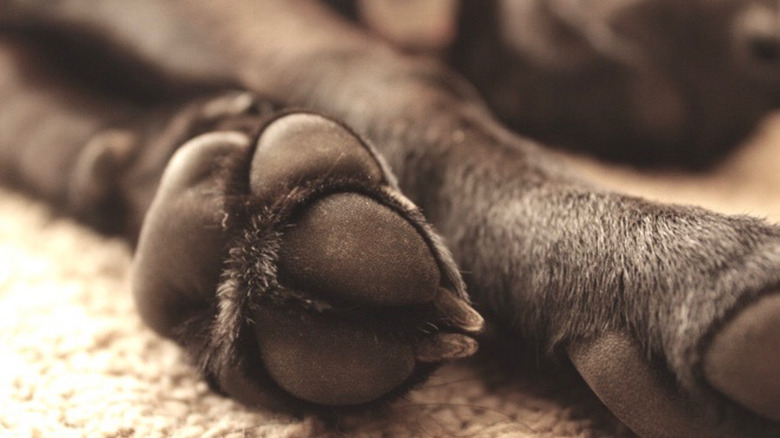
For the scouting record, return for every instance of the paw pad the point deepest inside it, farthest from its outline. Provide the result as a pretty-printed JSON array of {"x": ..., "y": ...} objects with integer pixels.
[{"x": 335, "y": 291}]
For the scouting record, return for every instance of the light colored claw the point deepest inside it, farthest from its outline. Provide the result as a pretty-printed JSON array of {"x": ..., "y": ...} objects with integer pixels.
[
  {"x": 232, "y": 104},
  {"x": 445, "y": 346},
  {"x": 458, "y": 313}
]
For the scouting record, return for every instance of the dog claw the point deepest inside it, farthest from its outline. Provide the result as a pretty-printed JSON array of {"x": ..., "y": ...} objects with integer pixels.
[
  {"x": 458, "y": 313},
  {"x": 446, "y": 346}
]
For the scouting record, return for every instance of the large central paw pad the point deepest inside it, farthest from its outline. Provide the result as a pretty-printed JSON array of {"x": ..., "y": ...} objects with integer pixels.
[{"x": 335, "y": 291}]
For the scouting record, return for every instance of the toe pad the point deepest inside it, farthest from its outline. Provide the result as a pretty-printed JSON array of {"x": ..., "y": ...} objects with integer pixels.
[
  {"x": 300, "y": 147},
  {"x": 325, "y": 360},
  {"x": 743, "y": 361},
  {"x": 349, "y": 247}
]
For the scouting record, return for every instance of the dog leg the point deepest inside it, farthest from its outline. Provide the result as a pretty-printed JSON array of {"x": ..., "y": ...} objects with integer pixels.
[
  {"x": 557, "y": 261},
  {"x": 56, "y": 140}
]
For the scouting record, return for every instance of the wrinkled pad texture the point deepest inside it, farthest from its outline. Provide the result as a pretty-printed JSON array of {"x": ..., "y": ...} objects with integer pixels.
[{"x": 76, "y": 359}]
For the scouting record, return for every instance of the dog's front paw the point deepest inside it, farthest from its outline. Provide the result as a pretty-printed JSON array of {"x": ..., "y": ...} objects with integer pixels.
[{"x": 301, "y": 277}]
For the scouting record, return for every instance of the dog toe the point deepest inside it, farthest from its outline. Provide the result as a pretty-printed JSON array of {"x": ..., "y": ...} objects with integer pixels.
[
  {"x": 457, "y": 313},
  {"x": 615, "y": 367},
  {"x": 743, "y": 360},
  {"x": 445, "y": 346},
  {"x": 330, "y": 361},
  {"x": 300, "y": 146},
  {"x": 348, "y": 247}
]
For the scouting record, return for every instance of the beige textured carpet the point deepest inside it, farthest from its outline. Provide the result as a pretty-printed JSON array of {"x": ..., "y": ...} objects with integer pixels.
[{"x": 75, "y": 360}]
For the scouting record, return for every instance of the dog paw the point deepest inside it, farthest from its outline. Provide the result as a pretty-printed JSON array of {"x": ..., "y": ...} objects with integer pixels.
[{"x": 296, "y": 273}]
